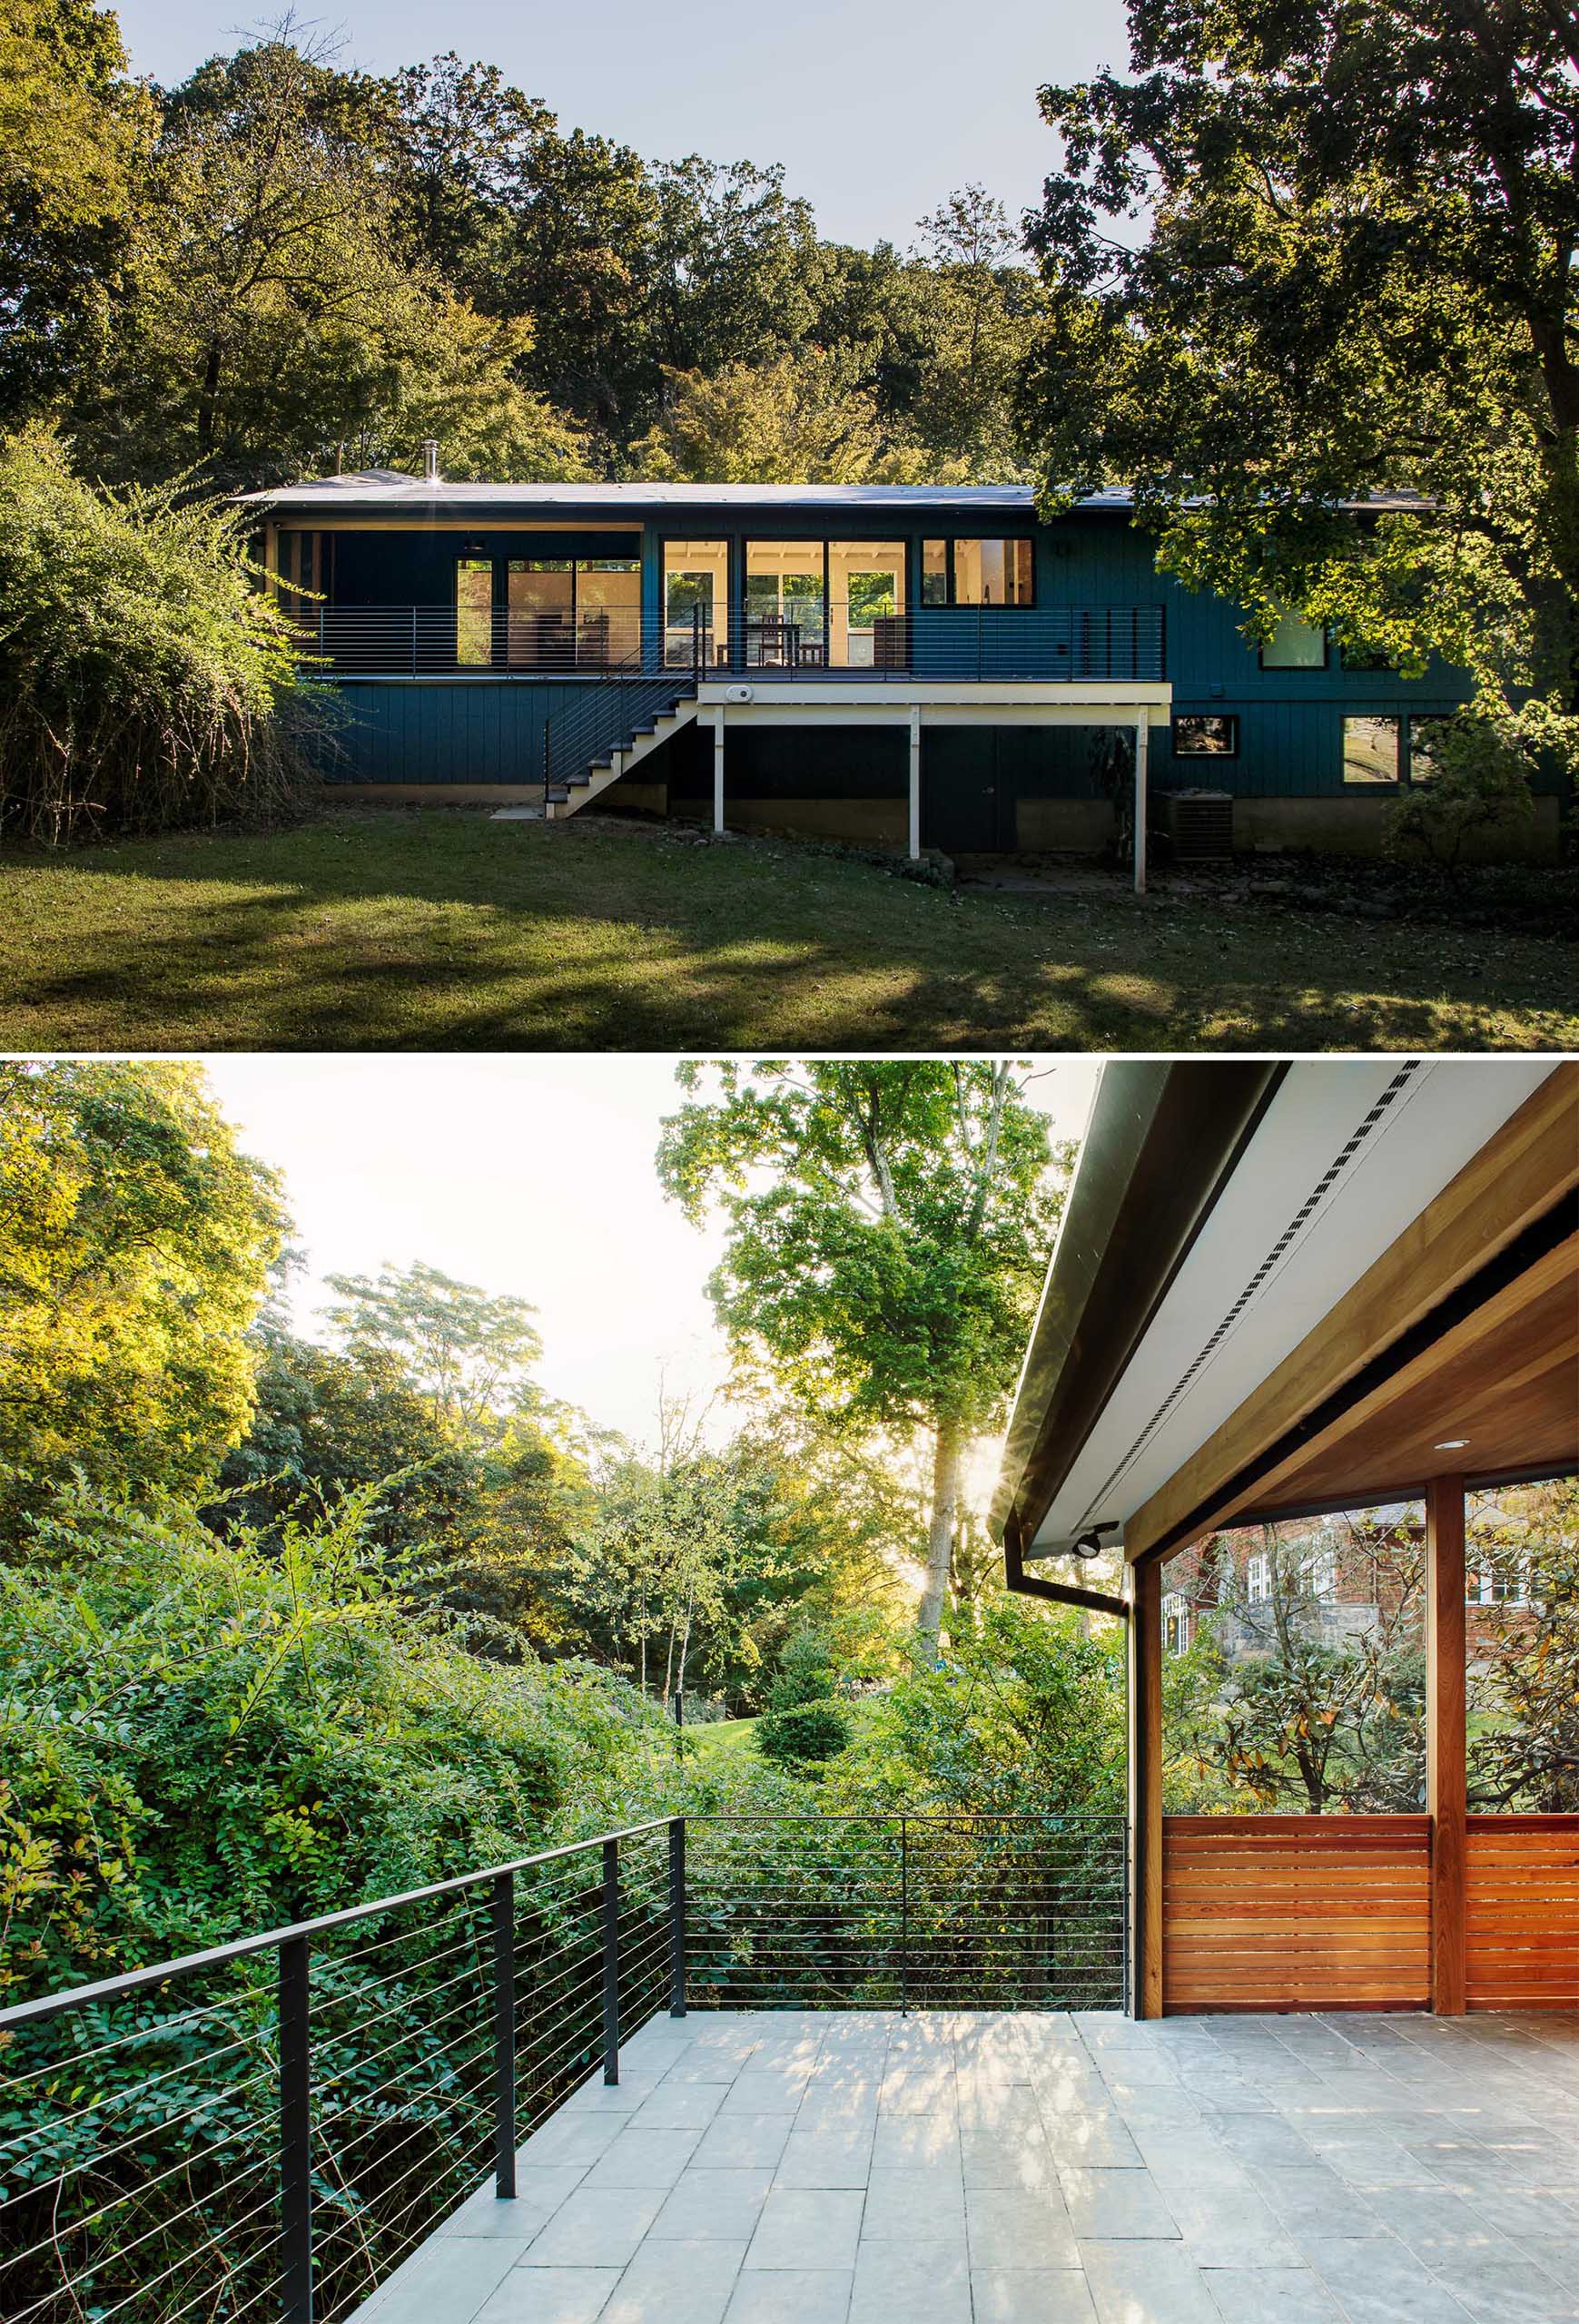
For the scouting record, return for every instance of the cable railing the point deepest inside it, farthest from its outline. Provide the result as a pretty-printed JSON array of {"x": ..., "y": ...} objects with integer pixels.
[
  {"x": 1057, "y": 645},
  {"x": 908, "y": 1912},
  {"x": 600, "y": 720},
  {"x": 262, "y": 2133},
  {"x": 265, "y": 2129}
]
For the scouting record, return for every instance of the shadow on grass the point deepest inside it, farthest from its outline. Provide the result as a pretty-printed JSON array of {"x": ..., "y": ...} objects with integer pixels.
[{"x": 448, "y": 933}]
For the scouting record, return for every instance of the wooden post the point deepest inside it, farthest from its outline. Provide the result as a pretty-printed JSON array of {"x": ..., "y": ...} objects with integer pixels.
[
  {"x": 1145, "y": 1654},
  {"x": 915, "y": 780},
  {"x": 1445, "y": 1773},
  {"x": 1142, "y": 736},
  {"x": 718, "y": 770}
]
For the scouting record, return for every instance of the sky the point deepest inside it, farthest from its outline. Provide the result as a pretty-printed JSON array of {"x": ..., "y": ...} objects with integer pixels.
[
  {"x": 530, "y": 1176},
  {"x": 876, "y": 113}
]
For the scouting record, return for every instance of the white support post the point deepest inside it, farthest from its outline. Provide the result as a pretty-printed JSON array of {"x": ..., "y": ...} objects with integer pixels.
[
  {"x": 915, "y": 780},
  {"x": 719, "y": 770},
  {"x": 1143, "y": 734}
]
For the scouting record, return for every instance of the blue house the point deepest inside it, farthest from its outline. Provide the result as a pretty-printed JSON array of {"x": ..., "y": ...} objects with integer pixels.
[{"x": 906, "y": 666}]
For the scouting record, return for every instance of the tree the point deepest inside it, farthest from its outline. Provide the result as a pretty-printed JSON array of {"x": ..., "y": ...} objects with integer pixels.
[
  {"x": 888, "y": 1228},
  {"x": 73, "y": 129},
  {"x": 1312, "y": 254},
  {"x": 801, "y": 418},
  {"x": 134, "y": 1245},
  {"x": 1284, "y": 1707},
  {"x": 976, "y": 304},
  {"x": 726, "y": 266},
  {"x": 467, "y": 1353},
  {"x": 1523, "y": 1751},
  {"x": 272, "y": 324}
]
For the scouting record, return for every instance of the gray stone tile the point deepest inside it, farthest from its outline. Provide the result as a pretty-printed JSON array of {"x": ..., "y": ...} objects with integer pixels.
[
  {"x": 924, "y": 2203},
  {"x": 924, "y": 2283},
  {"x": 906, "y": 2141},
  {"x": 622, "y": 2097},
  {"x": 1013, "y": 2228},
  {"x": 919, "y": 2090},
  {"x": 679, "y": 2106},
  {"x": 676, "y": 2283},
  {"x": 573, "y": 2138},
  {"x": 988, "y": 2159},
  {"x": 1109, "y": 2205},
  {"x": 442, "y": 2277},
  {"x": 1091, "y": 2142},
  {"x": 549, "y": 2296},
  {"x": 541, "y": 2189},
  {"x": 800, "y": 2223},
  {"x": 791, "y": 2295},
  {"x": 1271, "y": 2296},
  {"x": 1232, "y": 2231},
  {"x": 825, "y": 2159},
  {"x": 743, "y": 2143},
  {"x": 1265, "y": 2138},
  {"x": 713, "y": 2206},
  {"x": 1309, "y": 2199},
  {"x": 1508, "y": 2291},
  {"x": 1031, "y": 2296},
  {"x": 1146, "y": 2283},
  {"x": 1382, "y": 2283},
  {"x": 764, "y": 2093},
  {"x": 1440, "y": 2225},
  {"x": 644, "y": 2159},
  {"x": 596, "y": 2227}
]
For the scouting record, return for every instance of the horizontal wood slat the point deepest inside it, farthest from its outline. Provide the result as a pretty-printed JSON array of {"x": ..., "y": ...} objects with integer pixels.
[
  {"x": 1523, "y": 1909},
  {"x": 1296, "y": 1912}
]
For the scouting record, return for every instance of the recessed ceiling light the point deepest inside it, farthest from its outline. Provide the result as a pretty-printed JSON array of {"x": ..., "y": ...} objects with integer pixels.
[{"x": 1451, "y": 1445}]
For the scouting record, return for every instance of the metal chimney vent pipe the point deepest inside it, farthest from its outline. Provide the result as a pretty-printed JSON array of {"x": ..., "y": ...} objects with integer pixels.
[{"x": 431, "y": 460}]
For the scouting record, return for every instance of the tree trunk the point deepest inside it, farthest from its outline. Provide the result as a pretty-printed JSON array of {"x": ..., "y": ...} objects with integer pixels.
[{"x": 945, "y": 1493}]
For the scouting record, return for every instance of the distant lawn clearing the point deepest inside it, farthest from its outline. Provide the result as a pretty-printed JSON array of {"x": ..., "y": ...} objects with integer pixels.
[{"x": 443, "y": 930}]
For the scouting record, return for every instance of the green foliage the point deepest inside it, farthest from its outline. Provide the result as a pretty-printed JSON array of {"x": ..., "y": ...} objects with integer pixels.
[
  {"x": 804, "y": 1736},
  {"x": 469, "y": 1354},
  {"x": 806, "y": 1670},
  {"x": 134, "y": 1248},
  {"x": 145, "y": 683},
  {"x": 1355, "y": 278},
  {"x": 1524, "y": 1752},
  {"x": 1479, "y": 784},
  {"x": 202, "y": 1737},
  {"x": 1023, "y": 1713}
]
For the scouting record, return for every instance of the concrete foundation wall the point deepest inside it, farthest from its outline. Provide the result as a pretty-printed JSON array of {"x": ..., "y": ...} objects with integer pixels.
[{"x": 1358, "y": 826}]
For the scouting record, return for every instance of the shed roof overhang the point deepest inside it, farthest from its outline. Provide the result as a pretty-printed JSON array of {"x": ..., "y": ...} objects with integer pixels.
[{"x": 1285, "y": 1287}]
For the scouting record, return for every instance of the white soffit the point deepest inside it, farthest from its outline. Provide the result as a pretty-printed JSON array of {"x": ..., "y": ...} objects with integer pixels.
[{"x": 1347, "y": 1153}]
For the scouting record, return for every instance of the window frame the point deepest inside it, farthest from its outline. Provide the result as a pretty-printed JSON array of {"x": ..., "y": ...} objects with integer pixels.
[
  {"x": 1228, "y": 718},
  {"x": 1397, "y": 781},
  {"x": 1298, "y": 669},
  {"x": 1176, "y": 1617},
  {"x": 952, "y": 603}
]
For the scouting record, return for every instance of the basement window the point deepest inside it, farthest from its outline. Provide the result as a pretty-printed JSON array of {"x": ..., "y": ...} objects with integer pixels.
[
  {"x": 1207, "y": 736},
  {"x": 1371, "y": 750}
]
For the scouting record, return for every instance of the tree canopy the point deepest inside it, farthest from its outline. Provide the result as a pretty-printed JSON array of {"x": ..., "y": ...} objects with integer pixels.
[{"x": 1306, "y": 256}]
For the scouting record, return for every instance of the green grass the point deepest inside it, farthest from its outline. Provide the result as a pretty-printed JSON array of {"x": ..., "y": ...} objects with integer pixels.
[
  {"x": 724, "y": 1739},
  {"x": 368, "y": 930}
]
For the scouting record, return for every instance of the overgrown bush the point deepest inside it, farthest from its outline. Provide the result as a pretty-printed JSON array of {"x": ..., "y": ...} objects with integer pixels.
[
  {"x": 145, "y": 682},
  {"x": 804, "y": 1737},
  {"x": 1478, "y": 787}
]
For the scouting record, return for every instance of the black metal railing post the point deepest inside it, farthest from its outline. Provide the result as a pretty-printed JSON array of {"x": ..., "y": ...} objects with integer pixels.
[
  {"x": 678, "y": 1917},
  {"x": 904, "y": 1917},
  {"x": 504, "y": 2036},
  {"x": 295, "y": 2135},
  {"x": 611, "y": 1962}
]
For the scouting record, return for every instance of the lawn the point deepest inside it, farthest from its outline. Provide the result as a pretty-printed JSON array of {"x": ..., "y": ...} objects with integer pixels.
[{"x": 441, "y": 930}]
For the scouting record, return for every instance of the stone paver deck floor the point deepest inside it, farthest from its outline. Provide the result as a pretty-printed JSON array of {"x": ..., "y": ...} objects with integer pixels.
[{"x": 961, "y": 2168}]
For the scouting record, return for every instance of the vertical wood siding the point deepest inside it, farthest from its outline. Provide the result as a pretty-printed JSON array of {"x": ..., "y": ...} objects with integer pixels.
[
  {"x": 1523, "y": 1912},
  {"x": 1296, "y": 1912}
]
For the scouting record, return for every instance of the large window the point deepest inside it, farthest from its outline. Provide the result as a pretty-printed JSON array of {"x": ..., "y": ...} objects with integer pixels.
[
  {"x": 809, "y": 604},
  {"x": 1294, "y": 644},
  {"x": 977, "y": 573},
  {"x": 1371, "y": 748},
  {"x": 548, "y": 613},
  {"x": 695, "y": 600}
]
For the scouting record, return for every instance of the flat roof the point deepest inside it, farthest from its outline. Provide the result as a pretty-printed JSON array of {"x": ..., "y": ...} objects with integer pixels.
[
  {"x": 389, "y": 489},
  {"x": 1220, "y": 1213}
]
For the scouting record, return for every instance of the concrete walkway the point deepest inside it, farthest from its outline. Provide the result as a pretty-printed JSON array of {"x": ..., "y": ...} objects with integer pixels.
[{"x": 789, "y": 2168}]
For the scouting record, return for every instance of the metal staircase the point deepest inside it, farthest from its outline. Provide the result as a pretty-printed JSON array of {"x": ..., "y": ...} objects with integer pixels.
[{"x": 611, "y": 727}]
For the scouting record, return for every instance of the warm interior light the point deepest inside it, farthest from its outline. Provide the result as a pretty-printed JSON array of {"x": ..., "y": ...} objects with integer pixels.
[{"x": 1451, "y": 1445}]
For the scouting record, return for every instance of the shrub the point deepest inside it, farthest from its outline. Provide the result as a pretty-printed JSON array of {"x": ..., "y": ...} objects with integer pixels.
[
  {"x": 803, "y": 1737},
  {"x": 145, "y": 681},
  {"x": 1479, "y": 784}
]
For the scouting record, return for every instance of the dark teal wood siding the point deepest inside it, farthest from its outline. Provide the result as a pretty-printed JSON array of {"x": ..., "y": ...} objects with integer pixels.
[{"x": 469, "y": 732}]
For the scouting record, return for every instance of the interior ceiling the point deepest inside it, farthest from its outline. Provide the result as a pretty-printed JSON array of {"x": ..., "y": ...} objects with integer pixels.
[
  {"x": 1348, "y": 1153},
  {"x": 1505, "y": 1381}
]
